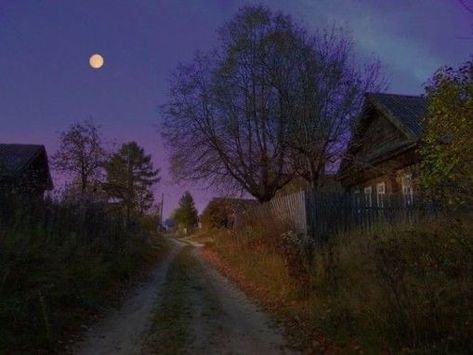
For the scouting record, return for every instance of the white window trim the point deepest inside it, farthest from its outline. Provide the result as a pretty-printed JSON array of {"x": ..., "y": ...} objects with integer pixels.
[
  {"x": 407, "y": 189},
  {"x": 381, "y": 185},
  {"x": 368, "y": 192},
  {"x": 380, "y": 193}
]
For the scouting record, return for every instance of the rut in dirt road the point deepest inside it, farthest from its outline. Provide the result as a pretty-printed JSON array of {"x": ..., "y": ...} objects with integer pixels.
[
  {"x": 186, "y": 307},
  {"x": 203, "y": 313}
]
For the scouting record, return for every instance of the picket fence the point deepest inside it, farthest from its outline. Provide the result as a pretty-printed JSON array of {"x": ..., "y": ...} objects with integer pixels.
[{"x": 321, "y": 215}]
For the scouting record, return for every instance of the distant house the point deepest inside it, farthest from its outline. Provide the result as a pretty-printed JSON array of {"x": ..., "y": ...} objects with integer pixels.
[
  {"x": 24, "y": 170},
  {"x": 381, "y": 157}
]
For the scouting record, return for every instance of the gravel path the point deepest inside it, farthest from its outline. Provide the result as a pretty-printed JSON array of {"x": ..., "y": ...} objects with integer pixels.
[
  {"x": 185, "y": 307},
  {"x": 123, "y": 330},
  {"x": 231, "y": 323}
]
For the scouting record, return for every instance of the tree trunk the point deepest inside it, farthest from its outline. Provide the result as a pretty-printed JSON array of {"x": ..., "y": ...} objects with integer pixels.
[{"x": 83, "y": 183}]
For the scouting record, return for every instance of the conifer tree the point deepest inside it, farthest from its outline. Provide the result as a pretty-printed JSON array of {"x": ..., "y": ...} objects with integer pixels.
[
  {"x": 130, "y": 178},
  {"x": 186, "y": 214}
]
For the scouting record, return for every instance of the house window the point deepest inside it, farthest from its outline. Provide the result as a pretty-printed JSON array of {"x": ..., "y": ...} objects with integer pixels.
[
  {"x": 407, "y": 190},
  {"x": 368, "y": 199},
  {"x": 380, "y": 193}
]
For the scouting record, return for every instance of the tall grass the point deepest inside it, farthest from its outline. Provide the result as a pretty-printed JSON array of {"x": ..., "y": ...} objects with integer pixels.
[
  {"x": 60, "y": 263},
  {"x": 400, "y": 287},
  {"x": 267, "y": 258},
  {"x": 408, "y": 287}
]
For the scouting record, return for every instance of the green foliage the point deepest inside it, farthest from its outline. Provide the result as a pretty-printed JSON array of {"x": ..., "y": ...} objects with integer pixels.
[
  {"x": 447, "y": 150},
  {"x": 130, "y": 177},
  {"x": 186, "y": 214}
]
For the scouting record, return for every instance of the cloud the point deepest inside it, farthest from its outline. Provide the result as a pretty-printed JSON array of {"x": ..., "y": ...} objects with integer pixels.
[
  {"x": 412, "y": 39},
  {"x": 403, "y": 55}
]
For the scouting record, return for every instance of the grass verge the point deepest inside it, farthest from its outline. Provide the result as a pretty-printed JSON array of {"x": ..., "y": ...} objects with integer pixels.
[
  {"x": 186, "y": 303},
  {"x": 58, "y": 273},
  {"x": 170, "y": 332},
  {"x": 402, "y": 289}
]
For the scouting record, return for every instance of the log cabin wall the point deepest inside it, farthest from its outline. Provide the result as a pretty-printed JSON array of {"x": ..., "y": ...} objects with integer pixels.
[
  {"x": 379, "y": 135},
  {"x": 383, "y": 148}
]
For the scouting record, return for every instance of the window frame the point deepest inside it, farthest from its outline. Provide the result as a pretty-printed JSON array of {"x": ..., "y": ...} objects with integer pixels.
[
  {"x": 368, "y": 191},
  {"x": 407, "y": 189},
  {"x": 380, "y": 195}
]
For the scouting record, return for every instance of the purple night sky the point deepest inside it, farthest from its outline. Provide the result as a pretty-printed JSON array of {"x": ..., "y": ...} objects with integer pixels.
[{"x": 46, "y": 82}]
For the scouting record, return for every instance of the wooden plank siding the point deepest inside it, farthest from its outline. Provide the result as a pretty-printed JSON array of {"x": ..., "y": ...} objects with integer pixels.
[
  {"x": 290, "y": 208},
  {"x": 384, "y": 141}
]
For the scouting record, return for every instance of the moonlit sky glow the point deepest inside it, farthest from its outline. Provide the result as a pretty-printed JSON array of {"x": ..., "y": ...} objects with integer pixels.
[{"x": 45, "y": 86}]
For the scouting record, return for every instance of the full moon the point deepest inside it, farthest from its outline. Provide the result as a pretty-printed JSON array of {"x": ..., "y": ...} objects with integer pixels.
[{"x": 96, "y": 61}]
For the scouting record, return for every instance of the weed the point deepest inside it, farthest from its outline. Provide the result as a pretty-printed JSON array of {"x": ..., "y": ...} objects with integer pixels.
[
  {"x": 408, "y": 288},
  {"x": 60, "y": 264}
]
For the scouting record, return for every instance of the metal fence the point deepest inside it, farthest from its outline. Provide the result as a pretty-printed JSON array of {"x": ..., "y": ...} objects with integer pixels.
[{"x": 321, "y": 215}]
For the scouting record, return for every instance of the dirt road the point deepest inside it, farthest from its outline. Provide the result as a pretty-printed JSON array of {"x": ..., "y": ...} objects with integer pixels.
[{"x": 185, "y": 307}]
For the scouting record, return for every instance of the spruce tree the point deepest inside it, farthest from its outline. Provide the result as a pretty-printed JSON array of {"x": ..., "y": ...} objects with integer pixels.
[
  {"x": 130, "y": 178},
  {"x": 186, "y": 214}
]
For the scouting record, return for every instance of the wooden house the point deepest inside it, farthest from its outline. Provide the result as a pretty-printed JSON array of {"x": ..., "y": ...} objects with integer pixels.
[
  {"x": 24, "y": 170},
  {"x": 381, "y": 158}
]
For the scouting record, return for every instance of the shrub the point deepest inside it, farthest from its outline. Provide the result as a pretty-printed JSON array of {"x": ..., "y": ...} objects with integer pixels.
[
  {"x": 59, "y": 264},
  {"x": 447, "y": 153},
  {"x": 216, "y": 215},
  {"x": 406, "y": 287}
]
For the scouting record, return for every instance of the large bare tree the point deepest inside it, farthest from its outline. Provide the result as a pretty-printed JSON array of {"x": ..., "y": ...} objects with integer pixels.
[
  {"x": 226, "y": 120},
  {"x": 81, "y": 154},
  {"x": 271, "y": 102},
  {"x": 331, "y": 86}
]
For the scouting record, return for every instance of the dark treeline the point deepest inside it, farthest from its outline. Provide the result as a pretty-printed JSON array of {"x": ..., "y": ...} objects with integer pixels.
[{"x": 65, "y": 257}]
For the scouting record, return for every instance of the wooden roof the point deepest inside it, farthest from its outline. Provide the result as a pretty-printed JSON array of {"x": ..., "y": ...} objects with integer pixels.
[
  {"x": 405, "y": 112},
  {"x": 16, "y": 158}
]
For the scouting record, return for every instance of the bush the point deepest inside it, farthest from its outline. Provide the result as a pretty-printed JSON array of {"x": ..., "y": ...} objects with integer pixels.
[
  {"x": 269, "y": 255},
  {"x": 447, "y": 145},
  {"x": 254, "y": 250},
  {"x": 59, "y": 264},
  {"x": 405, "y": 287},
  {"x": 216, "y": 215}
]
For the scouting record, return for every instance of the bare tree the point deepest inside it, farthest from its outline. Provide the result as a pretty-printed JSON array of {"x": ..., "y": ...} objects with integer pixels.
[
  {"x": 81, "y": 154},
  {"x": 226, "y": 120},
  {"x": 331, "y": 87},
  {"x": 270, "y": 103}
]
